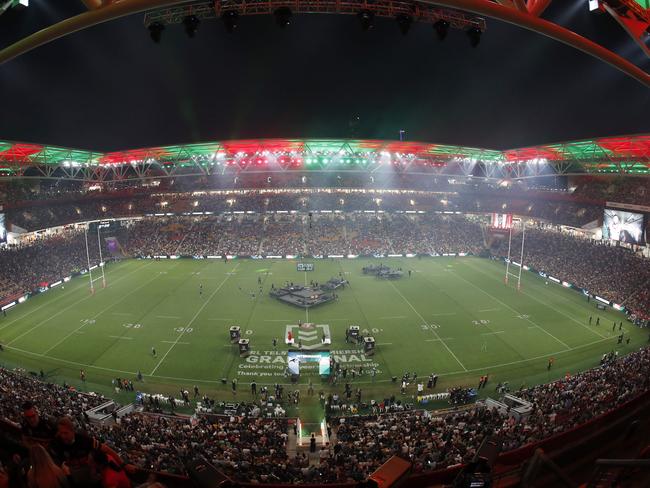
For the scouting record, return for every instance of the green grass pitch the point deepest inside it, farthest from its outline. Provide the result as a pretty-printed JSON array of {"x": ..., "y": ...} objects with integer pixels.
[{"x": 453, "y": 316}]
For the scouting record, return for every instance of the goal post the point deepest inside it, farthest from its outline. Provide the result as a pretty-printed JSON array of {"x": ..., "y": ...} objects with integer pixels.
[
  {"x": 521, "y": 256},
  {"x": 90, "y": 272}
]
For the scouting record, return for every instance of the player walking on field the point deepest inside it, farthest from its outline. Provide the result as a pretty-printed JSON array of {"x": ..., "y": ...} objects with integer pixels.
[{"x": 153, "y": 351}]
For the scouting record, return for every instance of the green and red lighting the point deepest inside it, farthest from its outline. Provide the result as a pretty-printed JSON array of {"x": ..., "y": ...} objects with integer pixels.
[{"x": 612, "y": 154}]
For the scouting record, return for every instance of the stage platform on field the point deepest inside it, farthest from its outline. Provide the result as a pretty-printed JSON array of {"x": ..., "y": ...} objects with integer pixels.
[{"x": 302, "y": 296}]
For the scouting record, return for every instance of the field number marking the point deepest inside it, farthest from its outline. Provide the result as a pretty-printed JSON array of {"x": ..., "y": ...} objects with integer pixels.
[
  {"x": 481, "y": 322},
  {"x": 184, "y": 330},
  {"x": 132, "y": 326},
  {"x": 430, "y": 326}
]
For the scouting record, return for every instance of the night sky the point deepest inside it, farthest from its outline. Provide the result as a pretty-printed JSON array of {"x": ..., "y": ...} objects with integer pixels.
[{"x": 110, "y": 87}]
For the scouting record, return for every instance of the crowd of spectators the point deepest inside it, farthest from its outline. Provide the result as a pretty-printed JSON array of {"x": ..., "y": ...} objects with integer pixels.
[
  {"x": 335, "y": 234},
  {"x": 27, "y": 267},
  {"x": 559, "y": 208},
  {"x": 609, "y": 271},
  {"x": 255, "y": 449}
]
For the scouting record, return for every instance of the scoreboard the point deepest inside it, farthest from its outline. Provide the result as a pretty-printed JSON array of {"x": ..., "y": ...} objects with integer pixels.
[{"x": 305, "y": 266}]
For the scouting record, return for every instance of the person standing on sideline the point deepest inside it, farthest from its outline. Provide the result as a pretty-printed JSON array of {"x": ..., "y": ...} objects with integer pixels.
[
  {"x": 590, "y": 319},
  {"x": 153, "y": 351},
  {"x": 234, "y": 386}
]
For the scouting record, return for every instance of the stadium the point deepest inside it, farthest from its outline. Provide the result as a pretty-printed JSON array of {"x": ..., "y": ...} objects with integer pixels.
[{"x": 342, "y": 312}]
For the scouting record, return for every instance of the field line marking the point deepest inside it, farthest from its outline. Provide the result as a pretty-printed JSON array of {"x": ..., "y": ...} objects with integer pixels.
[
  {"x": 424, "y": 321},
  {"x": 126, "y": 314},
  {"x": 111, "y": 305},
  {"x": 173, "y": 342},
  {"x": 72, "y": 290},
  {"x": 555, "y": 309},
  {"x": 168, "y": 317},
  {"x": 70, "y": 306},
  {"x": 122, "y": 337},
  {"x": 221, "y": 320},
  {"x": 443, "y": 314},
  {"x": 192, "y": 320},
  {"x": 492, "y": 333},
  {"x": 393, "y": 317},
  {"x": 490, "y": 310},
  {"x": 515, "y": 311},
  {"x": 451, "y": 373}
]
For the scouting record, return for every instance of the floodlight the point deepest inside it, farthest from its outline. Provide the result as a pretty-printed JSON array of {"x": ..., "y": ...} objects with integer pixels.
[
  {"x": 442, "y": 28},
  {"x": 191, "y": 23},
  {"x": 367, "y": 19},
  {"x": 404, "y": 23},
  {"x": 155, "y": 31},
  {"x": 230, "y": 19},
  {"x": 474, "y": 34},
  {"x": 283, "y": 16}
]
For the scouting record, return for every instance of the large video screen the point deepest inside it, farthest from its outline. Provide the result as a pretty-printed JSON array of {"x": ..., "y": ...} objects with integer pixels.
[
  {"x": 623, "y": 226},
  {"x": 3, "y": 229},
  {"x": 321, "y": 357},
  {"x": 501, "y": 221}
]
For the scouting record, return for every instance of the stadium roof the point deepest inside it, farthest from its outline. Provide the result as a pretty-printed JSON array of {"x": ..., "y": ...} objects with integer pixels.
[{"x": 619, "y": 155}]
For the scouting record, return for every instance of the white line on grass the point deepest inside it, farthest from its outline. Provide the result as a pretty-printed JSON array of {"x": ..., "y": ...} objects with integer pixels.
[
  {"x": 168, "y": 317},
  {"x": 444, "y": 314},
  {"x": 492, "y": 333},
  {"x": 434, "y": 332},
  {"x": 394, "y": 317},
  {"x": 555, "y": 309},
  {"x": 450, "y": 373},
  {"x": 221, "y": 320},
  {"x": 126, "y": 314},
  {"x": 70, "y": 306},
  {"x": 439, "y": 339},
  {"x": 105, "y": 309},
  {"x": 122, "y": 337},
  {"x": 515, "y": 311},
  {"x": 173, "y": 342},
  {"x": 64, "y": 294},
  {"x": 192, "y": 320},
  {"x": 490, "y": 310}
]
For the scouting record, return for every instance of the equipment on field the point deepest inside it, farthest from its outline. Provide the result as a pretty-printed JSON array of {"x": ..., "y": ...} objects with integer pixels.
[
  {"x": 369, "y": 346},
  {"x": 244, "y": 348},
  {"x": 353, "y": 331},
  {"x": 235, "y": 334}
]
